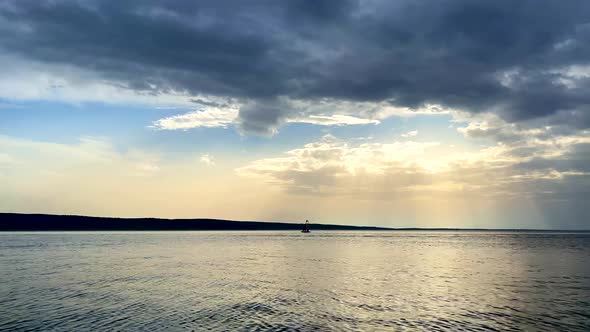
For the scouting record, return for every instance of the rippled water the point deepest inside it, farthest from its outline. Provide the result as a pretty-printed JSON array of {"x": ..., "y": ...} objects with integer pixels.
[{"x": 183, "y": 281}]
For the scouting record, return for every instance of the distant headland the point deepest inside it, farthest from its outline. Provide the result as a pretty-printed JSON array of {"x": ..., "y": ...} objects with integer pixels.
[{"x": 49, "y": 222}]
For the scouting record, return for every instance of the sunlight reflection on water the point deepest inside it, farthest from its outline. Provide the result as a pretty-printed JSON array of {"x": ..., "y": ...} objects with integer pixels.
[{"x": 291, "y": 281}]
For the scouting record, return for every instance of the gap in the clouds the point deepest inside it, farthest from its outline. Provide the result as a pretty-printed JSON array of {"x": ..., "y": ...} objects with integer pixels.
[
  {"x": 125, "y": 127},
  {"x": 65, "y": 122}
]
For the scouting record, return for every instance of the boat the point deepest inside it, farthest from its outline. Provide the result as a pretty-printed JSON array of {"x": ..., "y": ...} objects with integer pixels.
[{"x": 305, "y": 227}]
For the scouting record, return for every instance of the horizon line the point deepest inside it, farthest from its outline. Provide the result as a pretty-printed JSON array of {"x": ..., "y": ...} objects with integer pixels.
[{"x": 287, "y": 223}]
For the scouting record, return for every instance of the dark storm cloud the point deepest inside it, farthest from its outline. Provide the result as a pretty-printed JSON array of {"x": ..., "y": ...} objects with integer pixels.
[
  {"x": 502, "y": 55},
  {"x": 263, "y": 116},
  {"x": 575, "y": 160}
]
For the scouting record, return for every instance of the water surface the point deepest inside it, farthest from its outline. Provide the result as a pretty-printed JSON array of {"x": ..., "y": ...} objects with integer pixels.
[{"x": 288, "y": 281}]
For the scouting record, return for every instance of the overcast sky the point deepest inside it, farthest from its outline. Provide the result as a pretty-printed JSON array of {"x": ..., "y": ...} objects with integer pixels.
[{"x": 447, "y": 113}]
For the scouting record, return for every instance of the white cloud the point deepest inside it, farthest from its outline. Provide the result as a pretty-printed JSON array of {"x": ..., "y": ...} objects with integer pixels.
[
  {"x": 213, "y": 117},
  {"x": 326, "y": 112},
  {"x": 207, "y": 159},
  {"x": 333, "y": 120},
  {"x": 364, "y": 110},
  {"x": 210, "y": 117},
  {"x": 409, "y": 134},
  {"x": 386, "y": 110}
]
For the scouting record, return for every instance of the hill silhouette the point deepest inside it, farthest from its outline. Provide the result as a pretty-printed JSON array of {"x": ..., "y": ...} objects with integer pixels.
[{"x": 48, "y": 222}]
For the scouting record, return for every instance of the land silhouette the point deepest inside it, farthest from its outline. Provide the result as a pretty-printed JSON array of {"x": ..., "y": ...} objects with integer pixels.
[{"x": 48, "y": 222}]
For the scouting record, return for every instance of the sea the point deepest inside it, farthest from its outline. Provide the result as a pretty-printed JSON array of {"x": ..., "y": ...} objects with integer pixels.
[{"x": 289, "y": 281}]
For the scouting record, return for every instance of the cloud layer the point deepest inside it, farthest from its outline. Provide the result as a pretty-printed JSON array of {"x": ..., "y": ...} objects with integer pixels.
[
  {"x": 522, "y": 164},
  {"x": 523, "y": 61}
]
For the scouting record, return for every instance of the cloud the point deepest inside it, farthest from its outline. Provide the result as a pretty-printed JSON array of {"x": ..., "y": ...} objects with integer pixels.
[
  {"x": 334, "y": 120},
  {"x": 518, "y": 164},
  {"x": 325, "y": 165},
  {"x": 211, "y": 117},
  {"x": 409, "y": 134},
  {"x": 263, "y": 118},
  {"x": 24, "y": 79},
  {"x": 207, "y": 159},
  {"x": 522, "y": 61}
]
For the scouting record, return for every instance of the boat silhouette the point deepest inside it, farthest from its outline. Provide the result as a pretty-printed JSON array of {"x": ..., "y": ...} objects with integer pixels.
[{"x": 305, "y": 227}]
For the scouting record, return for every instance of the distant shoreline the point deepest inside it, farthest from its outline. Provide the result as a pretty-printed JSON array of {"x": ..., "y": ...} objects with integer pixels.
[{"x": 48, "y": 222}]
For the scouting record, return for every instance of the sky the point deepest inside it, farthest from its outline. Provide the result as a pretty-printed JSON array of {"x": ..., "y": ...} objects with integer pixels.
[{"x": 397, "y": 113}]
